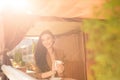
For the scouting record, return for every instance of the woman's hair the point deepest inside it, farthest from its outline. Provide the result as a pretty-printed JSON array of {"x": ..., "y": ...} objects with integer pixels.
[{"x": 40, "y": 53}]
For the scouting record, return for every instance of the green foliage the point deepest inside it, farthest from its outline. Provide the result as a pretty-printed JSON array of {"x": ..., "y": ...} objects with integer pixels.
[
  {"x": 18, "y": 58},
  {"x": 33, "y": 46},
  {"x": 104, "y": 41}
]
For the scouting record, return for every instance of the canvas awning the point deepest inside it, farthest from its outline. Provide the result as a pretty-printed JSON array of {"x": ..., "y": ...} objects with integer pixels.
[
  {"x": 61, "y": 15},
  {"x": 66, "y": 8}
]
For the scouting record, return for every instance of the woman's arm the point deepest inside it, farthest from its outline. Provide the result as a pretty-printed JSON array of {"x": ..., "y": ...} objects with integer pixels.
[
  {"x": 40, "y": 74},
  {"x": 47, "y": 74},
  {"x": 44, "y": 75}
]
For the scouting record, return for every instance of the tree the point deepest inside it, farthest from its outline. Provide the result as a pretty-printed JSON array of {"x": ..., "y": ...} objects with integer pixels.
[{"x": 104, "y": 41}]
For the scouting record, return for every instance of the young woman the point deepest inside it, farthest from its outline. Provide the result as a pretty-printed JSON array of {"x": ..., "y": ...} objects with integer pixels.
[{"x": 46, "y": 56}]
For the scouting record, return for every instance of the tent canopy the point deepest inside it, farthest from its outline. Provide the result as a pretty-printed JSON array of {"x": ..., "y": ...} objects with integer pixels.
[
  {"x": 66, "y": 8},
  {"x": 56, "y": 27},
  {"x": 61, "y": 15},
  {"x": 54, "y": 12}
]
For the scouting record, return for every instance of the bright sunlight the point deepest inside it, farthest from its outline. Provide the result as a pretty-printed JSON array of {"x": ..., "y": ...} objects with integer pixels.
[{"x": 15, "y": 5}]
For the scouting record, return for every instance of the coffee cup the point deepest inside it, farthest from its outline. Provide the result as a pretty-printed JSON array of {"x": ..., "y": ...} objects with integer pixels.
[{"x": 57, "y": 62}]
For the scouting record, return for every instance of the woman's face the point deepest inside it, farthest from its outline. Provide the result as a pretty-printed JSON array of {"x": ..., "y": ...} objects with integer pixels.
[{"x": 47, "y": 40}]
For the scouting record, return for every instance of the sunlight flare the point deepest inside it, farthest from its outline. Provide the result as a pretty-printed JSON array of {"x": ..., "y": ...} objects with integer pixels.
[{"x": 15, "y": 5}]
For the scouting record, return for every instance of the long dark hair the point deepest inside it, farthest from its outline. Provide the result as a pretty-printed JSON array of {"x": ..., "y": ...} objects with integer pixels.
[{"x": 40, "y": 54}]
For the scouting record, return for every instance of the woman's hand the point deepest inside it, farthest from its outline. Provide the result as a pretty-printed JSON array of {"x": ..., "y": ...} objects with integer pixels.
[{"x": 60, "y": 68}]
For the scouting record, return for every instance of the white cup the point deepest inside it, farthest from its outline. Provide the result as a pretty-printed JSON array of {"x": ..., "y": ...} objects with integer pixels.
[{"x": 57, "y": 62}]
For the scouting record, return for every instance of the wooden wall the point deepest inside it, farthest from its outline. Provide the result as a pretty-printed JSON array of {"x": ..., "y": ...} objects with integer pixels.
[{"x": 73, "y": 45}]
